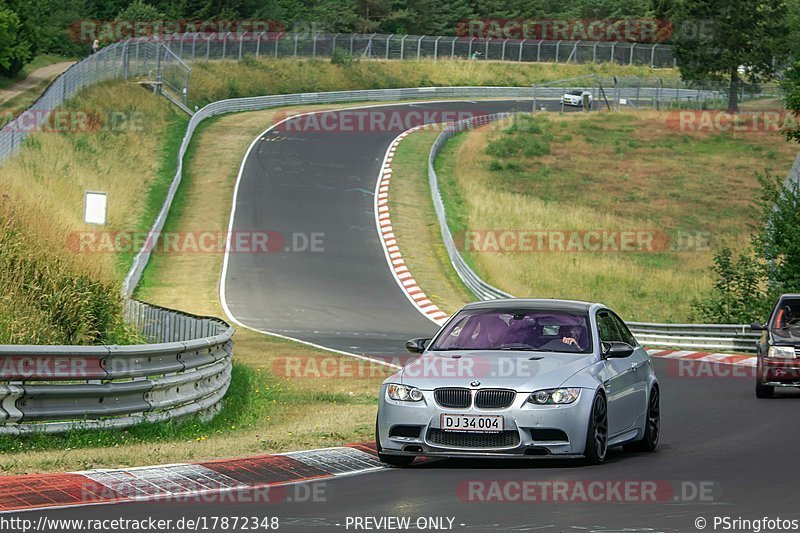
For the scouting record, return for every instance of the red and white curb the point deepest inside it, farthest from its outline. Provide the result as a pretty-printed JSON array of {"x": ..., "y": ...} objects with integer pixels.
[
  {"x": 394, "y": 256},
  {"x": 705, "y": 357},
  {"x": 235, "y": 480}
]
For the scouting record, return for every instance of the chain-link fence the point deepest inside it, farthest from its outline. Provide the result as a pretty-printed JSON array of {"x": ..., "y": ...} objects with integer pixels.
[
  {"x": 657, "y": 93},
  {"x": 135, "y": 58},
  {"x": 205, "y": 46}
]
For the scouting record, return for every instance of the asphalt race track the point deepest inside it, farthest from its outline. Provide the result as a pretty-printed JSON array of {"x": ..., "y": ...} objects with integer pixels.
[
  {"x": 722, "y": 452},
  {"x": 323, "y": 182}
]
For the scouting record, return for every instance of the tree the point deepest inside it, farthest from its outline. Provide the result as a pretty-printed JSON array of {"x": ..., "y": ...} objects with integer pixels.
[
  {"x": 745, "y": 287},
  {"x": 728, "y": 39},
  {"x": 138, "y": 10},
  {"x": 14, "y": 51},
  {"x": 791, "y": 87},
  {"x": 779, "y": 238}
]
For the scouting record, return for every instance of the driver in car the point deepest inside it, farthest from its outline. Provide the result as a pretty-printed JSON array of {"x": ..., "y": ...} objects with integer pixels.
[{"x": 572, "y": 335}]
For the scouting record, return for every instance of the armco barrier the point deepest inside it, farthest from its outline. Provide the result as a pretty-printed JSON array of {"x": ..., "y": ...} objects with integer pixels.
[
  {"x": 728, "y": 337},
  {"x": 186, "y": 370}
]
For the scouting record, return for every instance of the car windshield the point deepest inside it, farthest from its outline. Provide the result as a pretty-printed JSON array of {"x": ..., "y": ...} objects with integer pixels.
[
  {"x": 523, "y": 329},
  {"x": 786, "y": 321},
  {"x": 575, "y": 92}
]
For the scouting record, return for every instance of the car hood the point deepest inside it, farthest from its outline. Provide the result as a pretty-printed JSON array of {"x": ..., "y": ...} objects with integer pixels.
[{"x": 521, "y": 371}]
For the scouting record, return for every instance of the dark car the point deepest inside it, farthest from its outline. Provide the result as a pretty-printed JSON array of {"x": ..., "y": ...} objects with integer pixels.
[{"x": 779, "y": 347}]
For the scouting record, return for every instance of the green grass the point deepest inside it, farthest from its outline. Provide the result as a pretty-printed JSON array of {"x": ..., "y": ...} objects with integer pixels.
[
  {"x": 157, "y": 193},
  {"x": 252, "y": 397},
  {"x": 615, "y": 172},
  {"x": 217, "y": 80}
]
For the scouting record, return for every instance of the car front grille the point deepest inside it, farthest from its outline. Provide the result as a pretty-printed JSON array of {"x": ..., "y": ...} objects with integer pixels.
[
  {"x": 494, "y": 398},
  {"x": 454, "y": 398},
  {"x": 502, "y": 439}
]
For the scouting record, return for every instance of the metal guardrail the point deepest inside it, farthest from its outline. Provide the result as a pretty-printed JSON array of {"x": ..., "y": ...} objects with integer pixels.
[
  {"x": 728, "y": 337},
  {"x": 186, "y": 371}
]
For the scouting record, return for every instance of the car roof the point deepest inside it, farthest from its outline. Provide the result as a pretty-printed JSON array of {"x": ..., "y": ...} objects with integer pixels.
[{"x": 545, "y": 304}]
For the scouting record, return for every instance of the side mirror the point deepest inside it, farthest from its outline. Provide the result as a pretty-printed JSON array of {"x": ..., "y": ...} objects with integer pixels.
[
  {"x": 617, "y": 350},
  {"x": 755, "y": 326},
  {"x": 417, "y": 345}
]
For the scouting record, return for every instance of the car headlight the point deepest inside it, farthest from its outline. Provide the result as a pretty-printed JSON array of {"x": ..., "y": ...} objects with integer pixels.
[
  {"x": 555, "y": 396},
  {"x": 782, "y": 352},
  {"x": 403, "y": 393}
]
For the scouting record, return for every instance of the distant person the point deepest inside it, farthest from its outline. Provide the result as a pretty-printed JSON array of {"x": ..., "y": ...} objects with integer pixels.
[
  {"x": 476, "y": 55},
  {"x": 95, "y": 46}
]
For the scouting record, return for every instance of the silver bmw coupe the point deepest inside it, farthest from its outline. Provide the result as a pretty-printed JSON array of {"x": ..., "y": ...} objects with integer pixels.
[{"x": 521, "y": 378}]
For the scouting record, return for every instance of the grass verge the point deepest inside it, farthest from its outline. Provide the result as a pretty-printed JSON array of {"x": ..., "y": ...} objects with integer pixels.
[
  {"x": 284, "y": 395},
  {"x": 217, "y": 80},
  {"x": 416, "y": 227},
  {"x": 569, "y": 174}
]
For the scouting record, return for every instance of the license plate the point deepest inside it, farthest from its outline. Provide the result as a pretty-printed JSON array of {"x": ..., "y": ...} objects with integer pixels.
[{"x": 472, "y": 423}]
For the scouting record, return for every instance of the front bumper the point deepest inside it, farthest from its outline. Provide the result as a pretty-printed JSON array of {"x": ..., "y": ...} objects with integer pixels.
[
  {"x": 776, "y": 372},
  {"x": 525, "y": 419}
]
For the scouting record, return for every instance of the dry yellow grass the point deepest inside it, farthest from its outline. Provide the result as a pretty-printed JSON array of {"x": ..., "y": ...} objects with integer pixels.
[{"x": 614, "y": 172}]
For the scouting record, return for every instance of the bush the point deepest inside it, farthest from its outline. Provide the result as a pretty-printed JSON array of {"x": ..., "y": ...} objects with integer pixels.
[
  {"x": 342, "y": 58},
  {"x": 744, "y": 288},
  {"x": 738, "y": 296}
]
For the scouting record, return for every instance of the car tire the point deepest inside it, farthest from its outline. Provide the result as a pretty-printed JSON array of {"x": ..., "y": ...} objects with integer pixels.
[
  {"x": 597, "y": 437},
  {"x": 652, "y": 428},
  {"x": 399, "y": 461},
  {"x": 764, "y": 391}
]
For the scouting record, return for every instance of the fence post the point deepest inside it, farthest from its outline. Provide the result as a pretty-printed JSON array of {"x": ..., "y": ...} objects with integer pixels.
[
  {"x": 469, "y": 53},
  {"x": 653, "y": 56},
  {"x": 503, "y": 53},
  {"x": 521, "y": 44},
  {"x": 351, "y": 44},
  {"x": 453, "y": 48},
  {"x": 539, "y": 51},
  {"x": 633, "y": 45},
  {"x": 277, "y": 39},
  {"x": 594, "y": 52},
  {"x": 258, "y": 44},
  {"x": 436, "y": 48},
  {"x": 295, "y": 44},
  {"x": 333, "y": 45},
  {"x": 208, "y": 48},
  {"x": 241, "y": 42},
  {"x": 314, "y": 46},
  {"x": 419, "y": 46},
  {"x": 124, "y": 62},
  {"x": 558, "y": 45},
  {"x": 612, "y": 58},
  {"x": 486, "y": 49}
]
